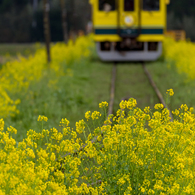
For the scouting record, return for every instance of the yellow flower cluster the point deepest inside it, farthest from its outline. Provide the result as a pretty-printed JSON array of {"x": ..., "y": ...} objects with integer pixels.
[
  {"x": 42, "y": 118},
  {"x": 140, "y": 152},
  {"x": 103, "y": 104},
  {"x": 87, "y": 115},
  {"x": 16, "y": 76},
  {"x": 94, "y": 115},
  {"x": 170, "y": 92},
  {"x": 182, "y": 54}
]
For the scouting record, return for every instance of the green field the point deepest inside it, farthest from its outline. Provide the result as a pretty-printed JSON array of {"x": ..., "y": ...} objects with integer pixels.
[
  {"x": 141, "y": 152},
  {"x": 10, "y": 51},
  {"x": 89, "y": 85}
]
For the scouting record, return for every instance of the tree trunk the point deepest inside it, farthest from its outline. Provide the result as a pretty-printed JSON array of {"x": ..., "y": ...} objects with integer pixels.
[{"x": 64, "y": 23}]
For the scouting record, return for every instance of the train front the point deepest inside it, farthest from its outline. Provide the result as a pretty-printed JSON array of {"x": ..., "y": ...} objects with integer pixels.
[{"x": 129, "y": 30}]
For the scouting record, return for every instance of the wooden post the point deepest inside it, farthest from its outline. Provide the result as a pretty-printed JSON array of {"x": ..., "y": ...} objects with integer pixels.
[
  {"x": 47, "y": 28},
  {"x": 64, "y": 23}
]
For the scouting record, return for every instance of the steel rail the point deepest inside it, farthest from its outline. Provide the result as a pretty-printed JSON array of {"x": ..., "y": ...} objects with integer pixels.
[
  {"x": 158, "y": 93},
  {"x": 110, "y": 110},
  {"x": 112, "y": 90},
  {"x": 111, "y": 101}
]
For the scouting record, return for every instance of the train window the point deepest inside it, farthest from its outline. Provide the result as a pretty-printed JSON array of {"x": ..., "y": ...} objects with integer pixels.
[
  {"x": 151, "y": 5},
  {"x": 129, "y": 45},
  {"x": 129, "y": 5},
  {"x": 152, "y": 46},
  {"x": 107, "y": 5},
  {"x": 105, "y": 46}
]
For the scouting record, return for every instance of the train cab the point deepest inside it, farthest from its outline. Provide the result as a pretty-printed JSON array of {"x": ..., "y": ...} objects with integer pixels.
[{"x": 129, "y": 30}]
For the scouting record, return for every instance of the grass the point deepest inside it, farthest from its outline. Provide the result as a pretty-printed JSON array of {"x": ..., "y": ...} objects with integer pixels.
[
  {"x": 15, "y": 49},
  {"x": 167, "y": 77},
  {"x": 132, "y": 82},
  {"x": 10, "y": 52},
  {"x": 135, "y": 153},
  {"x": 73, "y": 95}
]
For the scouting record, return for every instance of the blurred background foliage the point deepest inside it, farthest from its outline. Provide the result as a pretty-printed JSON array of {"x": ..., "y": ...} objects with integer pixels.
[{"x": 22, "y": 20}]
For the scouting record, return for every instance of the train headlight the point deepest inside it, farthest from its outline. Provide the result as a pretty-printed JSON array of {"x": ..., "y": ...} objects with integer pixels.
[{"x": 129, "y": 21}]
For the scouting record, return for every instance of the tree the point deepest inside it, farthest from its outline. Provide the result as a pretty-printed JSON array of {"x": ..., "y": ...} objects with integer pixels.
[
  {"x": 46, "y": 8},
  {"x": 64, "y": 22}
]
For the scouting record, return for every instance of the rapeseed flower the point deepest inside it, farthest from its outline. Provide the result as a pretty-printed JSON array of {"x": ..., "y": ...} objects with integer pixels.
[
  {"x": 87, "y": 115},
  {"x": 103, "y": 104},
  {"x": 127, "y": 158},
  {"x": 170, "y": 92},
  {"x": 42, "y": 118},
  {"x": 140, "y": 152},
  {"x": 17, "y": 76},
  {"x": 185, "y": 62}
]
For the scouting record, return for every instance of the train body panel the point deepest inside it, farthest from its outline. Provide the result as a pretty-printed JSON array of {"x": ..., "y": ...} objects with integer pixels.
[{"x": 130, "y": 23}]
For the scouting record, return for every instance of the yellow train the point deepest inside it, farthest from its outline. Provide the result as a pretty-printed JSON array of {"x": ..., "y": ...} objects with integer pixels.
[{"x": 129, "y": 30}]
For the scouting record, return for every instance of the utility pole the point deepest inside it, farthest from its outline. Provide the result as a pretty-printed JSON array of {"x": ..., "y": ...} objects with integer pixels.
[
  {"x": 64, "y": 23},
  {"x": 46, "y": 23}
]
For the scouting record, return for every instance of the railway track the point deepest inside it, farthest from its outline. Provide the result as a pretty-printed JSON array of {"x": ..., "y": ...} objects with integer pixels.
[
  {"x": 151, "y": 81},
  {"x": 112, "y": 98},
  {"x": 110, "y": 109}
]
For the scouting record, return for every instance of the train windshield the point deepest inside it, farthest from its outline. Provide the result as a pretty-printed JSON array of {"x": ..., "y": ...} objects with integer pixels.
[
  {"x": 129, "y": 5},
  {"x": 151, "y": 5},
  {"x": 107, "y": 5}
]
